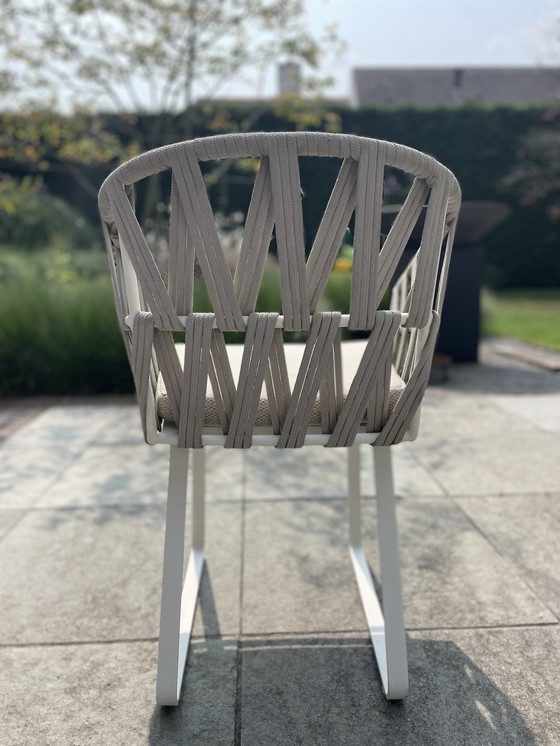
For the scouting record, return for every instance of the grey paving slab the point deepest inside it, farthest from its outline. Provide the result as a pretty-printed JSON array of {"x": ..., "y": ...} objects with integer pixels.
[
  {"x": 8, "y": 519},
  {"x": 322, "y": 472},
  {"x": 498, "y": 374},
  {"x": 297, "y": 573},
  {"x": 26, "y": 472},
  {"x": 542, "y": 410},
  {"x": 75, "y": 575},
  {"x": 519, "y": 461},
  {"x": 460, "y": 415},
  {"x": 72, "y": 423},
  {"x": 125, "y": 427},
  {"x": 527, "y": 531},
  {"x": 452, "y": 575},
  {"x": 218, "y": 611},
  {"x": 298, "y": 577},
  {"x": 16, "y": 412},
  {"x": 95, "y": 574},
  {"x": 410, "y": 477},
  {"x": 137, "y": 475},
  {"x": 104, "y": 695},
  {"x": 111, "y": 475},
  {"x": 327, "y": 691},
  {"x": 510, "y": 675}
]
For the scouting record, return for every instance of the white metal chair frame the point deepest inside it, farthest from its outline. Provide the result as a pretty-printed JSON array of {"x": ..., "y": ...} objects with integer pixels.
[{"x": 401, "y": 340}]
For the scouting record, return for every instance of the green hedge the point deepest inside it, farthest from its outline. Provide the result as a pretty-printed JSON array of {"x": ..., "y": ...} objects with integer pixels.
[
  {"x": 480, "y": 144},
  {"x": 58, "y": 327}
]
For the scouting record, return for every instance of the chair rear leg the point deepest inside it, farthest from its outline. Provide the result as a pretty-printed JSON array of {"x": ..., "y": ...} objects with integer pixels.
[
  {"x": 386, "y": 626},
  {"x": 178, "y": 601}
]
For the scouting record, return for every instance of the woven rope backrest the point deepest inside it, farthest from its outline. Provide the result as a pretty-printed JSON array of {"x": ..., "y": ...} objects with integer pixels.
[{"x": 160, "y": 308}]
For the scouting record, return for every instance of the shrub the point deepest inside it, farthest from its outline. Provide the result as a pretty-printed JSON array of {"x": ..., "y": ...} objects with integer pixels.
[
  {"x": 58, "y": 331},
  {"x": 31, "y": 218}
]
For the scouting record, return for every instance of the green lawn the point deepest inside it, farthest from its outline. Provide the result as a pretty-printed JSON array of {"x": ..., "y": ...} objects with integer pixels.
[{"x": 530, "y": 315}]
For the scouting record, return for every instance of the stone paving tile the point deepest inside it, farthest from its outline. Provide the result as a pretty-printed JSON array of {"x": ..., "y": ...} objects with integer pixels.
[
  {"x": 411, "y": 479},
  {"x": 452, "y": 576},
  {"x": 104, "y": 695},
  {"x": 8, "y": 519},
  {"x": 526, "y": 530},
  {"x": 124, "y": 427},
  {"x": 500, "y": 375},
  {"x": 297, "y": 572},
  {"x": 14, "y": 413},
  {"x": 95, "y": 574},
  {"x": 464, "y": 415},
  {"x": 327, "y": 691},
  {"x": 111, "y": 475},
  {"x": 218, "y": 611},
  {"x": 298, "y": 577},
  {"x": 322, "y": 472},
  {"x": 27, "y": 472},
  {"x": 72, "y": 423},
  {"x": 137, "y": 475},
  {"x": 543, "y": 411},
  {"x": 516, "y": 462}
]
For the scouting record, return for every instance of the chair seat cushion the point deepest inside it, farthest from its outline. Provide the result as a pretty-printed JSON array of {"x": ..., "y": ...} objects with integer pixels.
[{"x": 352, "y": 352}]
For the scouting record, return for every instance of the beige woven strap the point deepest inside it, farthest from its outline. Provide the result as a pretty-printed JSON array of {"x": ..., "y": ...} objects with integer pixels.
[
  {"x": 198, "y": 337},
  {"x": 378, "y": 399},
  {"x": 256, "y": 240},
  {"x": 399, "y": 235},
  {"x": 171, "y": 370},
  {"x": 331, "y": 390},
  {"x": 149, "y": 278},
  {"x": 277, "y": 383},
  {"x": 372, "y": 368},
  {"x": 324, "y": 328},
  {"x": 411, "y": 398},
  {"x": 429, "y": 255},
  {"x": 331, "y": 231},
  {"x": 288, "y": 219},
  {"x": 367, "y": 238},
  {"x": 141, "y": 358},
  {"x": 181, "y": 257},
  {"x": 202, "y": 231},
  {"x": 222, "y": 381},
  {"x": 254, "y": 365}
]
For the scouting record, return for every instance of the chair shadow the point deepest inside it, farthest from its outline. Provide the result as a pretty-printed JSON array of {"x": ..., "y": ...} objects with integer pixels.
[
  {"x": 319, "y": 689},
  {"x": 313, "y": 691}
]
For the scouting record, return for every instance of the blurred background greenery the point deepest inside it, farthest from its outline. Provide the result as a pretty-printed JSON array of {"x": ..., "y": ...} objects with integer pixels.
[{"x": 58, "y": 332}]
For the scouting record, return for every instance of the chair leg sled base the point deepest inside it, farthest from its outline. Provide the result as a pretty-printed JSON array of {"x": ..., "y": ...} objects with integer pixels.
[
  {"x": 178, "y": 606},
  {"x": 395, "y": 680},
  {"x": 386, "y": 625},
  {"x": 169, "y": 682}
]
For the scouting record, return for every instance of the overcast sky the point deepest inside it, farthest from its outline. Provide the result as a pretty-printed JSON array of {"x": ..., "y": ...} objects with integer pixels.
[{"x": 438, "y": 33}]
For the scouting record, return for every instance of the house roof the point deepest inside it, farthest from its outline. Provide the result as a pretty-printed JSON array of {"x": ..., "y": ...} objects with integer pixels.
[{"x": 454, "y": 86}]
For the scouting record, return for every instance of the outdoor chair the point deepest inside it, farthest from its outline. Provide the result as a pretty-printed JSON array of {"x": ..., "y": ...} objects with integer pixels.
[{"x": 323, "y": 391}]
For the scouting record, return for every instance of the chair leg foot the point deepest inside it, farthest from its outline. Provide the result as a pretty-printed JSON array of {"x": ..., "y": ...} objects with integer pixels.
[
  {"x": 178, "y": 602},
  {"x": 386, "y": 625}
]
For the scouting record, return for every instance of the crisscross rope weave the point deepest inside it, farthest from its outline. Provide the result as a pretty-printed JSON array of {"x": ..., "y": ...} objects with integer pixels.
[{"x": 201, "y": 389}]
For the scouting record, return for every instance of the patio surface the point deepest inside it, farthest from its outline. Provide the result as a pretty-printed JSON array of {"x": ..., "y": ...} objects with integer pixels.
[{"x": 281, "y": 654}]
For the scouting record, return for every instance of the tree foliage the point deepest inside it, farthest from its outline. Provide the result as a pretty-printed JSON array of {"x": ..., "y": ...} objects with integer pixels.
[
  {"x": 149, "y": 55},
  {"x": 146, "y": 60}
]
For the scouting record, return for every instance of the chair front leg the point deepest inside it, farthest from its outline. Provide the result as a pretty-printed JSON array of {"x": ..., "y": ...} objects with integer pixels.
[
  {"x": 178, "y": 602},
  {"x": 386, "y": 626}
]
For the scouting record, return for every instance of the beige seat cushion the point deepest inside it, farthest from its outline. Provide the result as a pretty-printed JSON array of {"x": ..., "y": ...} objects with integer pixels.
[{"x": 352, "y": 352}]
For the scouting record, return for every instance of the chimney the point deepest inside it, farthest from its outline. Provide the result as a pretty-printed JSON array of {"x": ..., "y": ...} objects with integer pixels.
[{"x": 288, "y": 78}]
